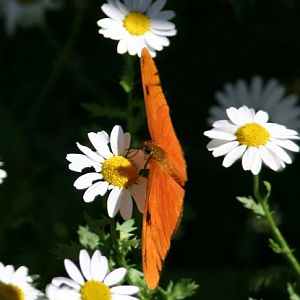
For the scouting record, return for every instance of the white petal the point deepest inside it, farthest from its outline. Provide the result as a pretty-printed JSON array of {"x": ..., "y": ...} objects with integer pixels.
[
  {"x": 162, "y": 25},
  {"x": 86, "y": 180},
  {"x": 289, "y": 145},
  {"x": 269, "y": 158},
  {"x": 117, "y": 140},
  {"x": 100, "y": 142},
  {"x": 112, "y": 12},
  {"x": 279, "y": 152},
  {"x": 224, "y": 149},
  {"x": 73, "y": 271},
  {"x": 113, "y": 203},
  {"x": 58, "y": 281},
  {"x": 115, "y": 276},
  {"x": 159, "y": 32},
  {"x": 125, "y": 204},
  {"x": 98, "y": 188},
  {"x": 221, "y": 135},
  {"x": 85, "y": 264},
  {"x": 89, "y": 153},
  {"x": 165, "y": 15},
  {"x": 155, "y": 7},
  {"x": 255, "y": 89},
  {"x": 249, "y": 158},
  {"x": 126, "y": 145},
  {"x": 99, "y": 266},
  {"x": 122, "y": 47},
  {"x": 233, "y": 115},
  {"x": 233, "y": 155},
  {"x": 80, "y": 162},
  {"x": 143, "y": 5},
  {"x": 125, "y": 289},
  {"x": 261, "y": 117}
]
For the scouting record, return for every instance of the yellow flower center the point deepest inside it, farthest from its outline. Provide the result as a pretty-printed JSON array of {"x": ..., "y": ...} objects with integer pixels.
[
  {"x": 95, "y": 290},
  {"x": 252, "y": 135},
  {"x": 27, "y": 1},
  {"x": 136, "y": 23},
  {"x": 11, "y": 292},
  {"x": 119, "y": 171}
]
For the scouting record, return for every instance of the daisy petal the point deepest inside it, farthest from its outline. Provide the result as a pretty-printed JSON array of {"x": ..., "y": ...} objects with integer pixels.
[
  {"x": 115, "y": 276},
  {"x": 125, "y": 204},
  {"x": 113, "y": 202},
  {"x": 125, "y": 289},
  {"x": 73, "y": 271},
  {"x": 86, "y": 180},
  {"x": 99, "y": 266},
  {"x": 98, "y": 188},
  {"x": 85, "y": 263},
  {"x": 233, "y": 156}
]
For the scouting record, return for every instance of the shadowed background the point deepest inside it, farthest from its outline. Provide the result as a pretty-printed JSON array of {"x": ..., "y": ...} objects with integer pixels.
[{"x": 42, "y": 115}]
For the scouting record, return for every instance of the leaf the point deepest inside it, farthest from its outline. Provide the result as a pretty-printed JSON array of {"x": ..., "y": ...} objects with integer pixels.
[
  {"x": 275, "y": 247},
  {"x": 292, "y": 293},
  {"x": 268, "y": 188},
  {"x": 87, "y": 238},
  {"x": 250, "y": 203},
  {"x": 126, "y": 228},
  {"x": 181, "y": 290}
]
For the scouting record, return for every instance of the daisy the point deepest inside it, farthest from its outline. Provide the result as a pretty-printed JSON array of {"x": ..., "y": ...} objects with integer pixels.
[
  {"x": 114, "y": 172},
  {"x": 249, "y": 135},
  {"x": 25, "y": 13},
  {"x": 137, "y": 24},
  {"x": 270, "y": 97},
  {"x": 17, "y": 284},
  {"x": 3, "y": 173},
  {"x": 92, "y": 281}
]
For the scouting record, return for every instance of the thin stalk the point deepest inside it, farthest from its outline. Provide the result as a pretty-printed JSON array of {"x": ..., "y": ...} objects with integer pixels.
[{"x": 286, "y": 250}]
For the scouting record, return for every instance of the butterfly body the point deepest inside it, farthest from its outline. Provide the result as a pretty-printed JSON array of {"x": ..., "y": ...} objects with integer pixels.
[{"x": 167, "y": 176}]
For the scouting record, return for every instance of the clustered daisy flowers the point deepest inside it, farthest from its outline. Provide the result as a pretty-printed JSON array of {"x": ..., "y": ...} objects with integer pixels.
[
  {"x": 137, "y": 24},
  {"x": 17, "y": 284},
  {"x": 270, "y": 97},
  {"x": 115, "y": 170},
  {"x": 249, "y": 136},
  {"x": 93, "y": 281},
  {"x": 24, "y": 13},
  {"x": 3, "y": 173}
]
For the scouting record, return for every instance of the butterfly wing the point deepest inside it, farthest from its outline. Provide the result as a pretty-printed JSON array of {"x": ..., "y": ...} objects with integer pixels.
[
  {"x": 160, "y": 219},
  {"x": 158, "y": 117},
  {"x": 167, "y": 176}
]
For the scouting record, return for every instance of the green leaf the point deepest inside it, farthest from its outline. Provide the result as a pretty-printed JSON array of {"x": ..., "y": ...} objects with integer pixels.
[
  {"x": 268, "y": 188},
  {"x": 87, "y": 238},
  {"x": 250, "y": 203},
  {"x": 126, "y": 228},
  {"x": 292, "y": 293},
  {"x": 181, "y": 290},
  {"x": 275, "y": 247},
  {"x": 127, "y": 87}
]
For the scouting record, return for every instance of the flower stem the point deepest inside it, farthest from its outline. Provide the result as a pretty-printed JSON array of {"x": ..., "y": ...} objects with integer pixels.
[{"x": 284, "y": 247}]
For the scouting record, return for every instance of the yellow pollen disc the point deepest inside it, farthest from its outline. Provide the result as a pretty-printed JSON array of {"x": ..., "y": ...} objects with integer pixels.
[
  {"x": 27, "y": 1},
  {"x": 11, "y": 292},
  {"x": 136, "y": 23},
  {"x": 252, "y": 134},
  {"x": 95, "y": 290},
  {"x": 119, "y": 171}
]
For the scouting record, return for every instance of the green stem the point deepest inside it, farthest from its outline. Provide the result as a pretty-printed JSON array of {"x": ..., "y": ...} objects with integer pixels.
[
  {"x": 114, "y": 238},
  {"x": 286, "y": 250},
  {"x": 58, "y": 68}
]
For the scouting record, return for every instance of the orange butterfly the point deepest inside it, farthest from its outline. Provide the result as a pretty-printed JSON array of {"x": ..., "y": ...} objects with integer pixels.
[{"x": 167, "y": 176}]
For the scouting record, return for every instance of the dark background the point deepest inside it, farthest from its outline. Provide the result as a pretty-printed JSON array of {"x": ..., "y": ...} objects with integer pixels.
[{"x": 219, "y": 244}]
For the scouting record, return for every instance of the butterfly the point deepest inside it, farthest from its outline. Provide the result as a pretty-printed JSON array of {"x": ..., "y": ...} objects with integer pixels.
[{"x": 166, "y": 178}]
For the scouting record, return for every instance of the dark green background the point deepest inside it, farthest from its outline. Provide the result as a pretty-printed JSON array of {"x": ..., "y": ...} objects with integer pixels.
[{"x": 218, "y": 41}]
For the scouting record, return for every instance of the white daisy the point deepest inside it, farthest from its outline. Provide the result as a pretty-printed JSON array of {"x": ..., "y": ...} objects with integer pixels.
[
  {"x": 137, "y": 24},
  {"x": 93, "y": 280},
  {"x": 17, "y": 284},
  {"x": 113, "y": 171},
  {"x": 270, "y": 97},
  {"x": 3, "y": 173},
  {"x": 249, "y": 136},
  {"x": 24, "y": 13}
]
